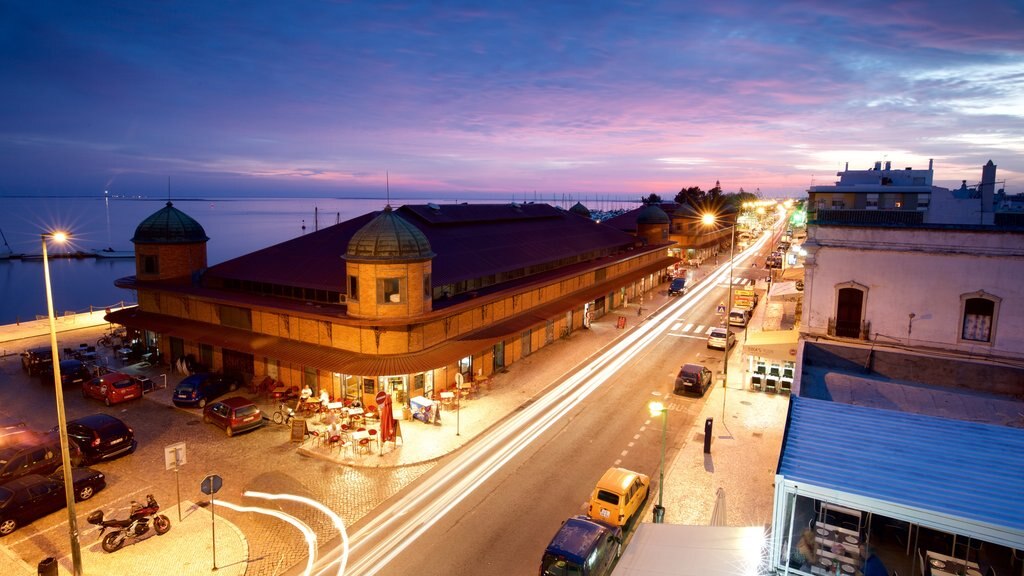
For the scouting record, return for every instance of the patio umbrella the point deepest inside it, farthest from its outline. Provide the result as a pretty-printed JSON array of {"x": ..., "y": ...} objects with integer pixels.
[
  {"x": 387, "y": 420},
  {"x": 718, "y": 514}
]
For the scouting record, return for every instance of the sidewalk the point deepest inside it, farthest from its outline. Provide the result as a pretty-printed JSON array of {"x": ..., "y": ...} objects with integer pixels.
[{"x": 187, "y": 550}]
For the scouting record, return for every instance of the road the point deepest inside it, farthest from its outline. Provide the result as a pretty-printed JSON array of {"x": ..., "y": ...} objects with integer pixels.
[{"x": 493, "y": 507}]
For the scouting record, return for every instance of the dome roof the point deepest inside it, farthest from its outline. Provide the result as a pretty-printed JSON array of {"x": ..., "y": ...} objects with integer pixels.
[
  {"x": 652, "y": 214},
  {"x": 169, "y": 226},
  {"x": 388, "y": 237},
  {"x": 580, "y": 209}
]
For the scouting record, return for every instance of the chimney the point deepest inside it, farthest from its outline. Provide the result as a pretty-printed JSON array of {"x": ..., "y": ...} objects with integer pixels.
[
  {"x": 888, "y": 164},
  {"x": 987, "y": 189},
  {"x": 929, "y": 163},
  {"x": 878, "y": 165}
]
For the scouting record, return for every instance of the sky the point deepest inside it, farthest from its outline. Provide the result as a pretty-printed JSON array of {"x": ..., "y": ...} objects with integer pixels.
[{"x": 513, "y": 100}]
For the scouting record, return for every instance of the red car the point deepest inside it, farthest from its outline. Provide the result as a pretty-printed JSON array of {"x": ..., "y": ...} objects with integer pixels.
[
  {"x": 113, "y": 387},
  {"x": 235, "y": 414}
]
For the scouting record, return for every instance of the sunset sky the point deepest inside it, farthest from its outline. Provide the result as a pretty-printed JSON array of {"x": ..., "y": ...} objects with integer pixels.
[{"x": 512, "y": 99}]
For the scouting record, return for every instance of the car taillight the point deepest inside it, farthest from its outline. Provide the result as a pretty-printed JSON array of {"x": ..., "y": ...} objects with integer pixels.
[{"x": 95, "y": 439}]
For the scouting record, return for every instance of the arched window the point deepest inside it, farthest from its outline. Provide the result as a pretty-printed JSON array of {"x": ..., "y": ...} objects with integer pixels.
[{"x": 978, "y": 313}]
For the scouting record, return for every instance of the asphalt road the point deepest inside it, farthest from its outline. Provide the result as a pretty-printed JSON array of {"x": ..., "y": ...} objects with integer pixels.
[{"x": 475, "y": 515}]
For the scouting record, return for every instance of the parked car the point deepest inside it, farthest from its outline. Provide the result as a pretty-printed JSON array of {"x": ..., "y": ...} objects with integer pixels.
[
  {"x": 35, "y": 360},
  {"x": 23, "y": 451},
  {"x": 739, "y": 317},
  {"x": 198, "y": 389},
  {"x": 618, "y": 496},
  {"x": 677, "y": 287},
  {"x": 721, "y": 338},
  {"x": 101, "y": 437},
  {"x": 72, "y": 372},
  {"x": 692, "y": 379},
  {"x": 583, "y": 547},
  {"x": 113, "y": 388},
  {"x": 235, "y": 414},
  {"x": 34, "y": 496}
]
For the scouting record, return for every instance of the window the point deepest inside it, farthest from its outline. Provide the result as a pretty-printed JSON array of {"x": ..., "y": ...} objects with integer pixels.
[
  {"x": 235, "y": 317},
  {"x": 426, "y": 285},
  {"x": 151, "y": 264},
  {"x": 353, "y": 288},
  {"x": 389, "y": 291},
  {"x": 871, "y": 202},
  {"x": 838, "y": 204},
  {"x": 979, "y": 312}
]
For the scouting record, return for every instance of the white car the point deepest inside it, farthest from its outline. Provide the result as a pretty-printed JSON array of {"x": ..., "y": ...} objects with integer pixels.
[{"x": 720, "y": 338}]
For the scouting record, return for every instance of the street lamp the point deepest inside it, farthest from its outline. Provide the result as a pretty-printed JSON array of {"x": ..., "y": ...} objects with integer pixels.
[
  {"x": 708, "y": 220},
  {"x": 657, "y": 408},
  {"x": 65, "y": 451}
]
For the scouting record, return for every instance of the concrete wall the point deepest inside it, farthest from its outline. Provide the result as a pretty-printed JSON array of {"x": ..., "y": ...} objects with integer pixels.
[{"x": 921, "y": 272}]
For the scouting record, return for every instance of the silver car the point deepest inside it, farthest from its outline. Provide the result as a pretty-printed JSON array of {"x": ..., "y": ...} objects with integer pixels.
[{"x": 721, "y": 337}]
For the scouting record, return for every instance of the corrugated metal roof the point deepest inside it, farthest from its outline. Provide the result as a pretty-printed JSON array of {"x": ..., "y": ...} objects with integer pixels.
[{"x": 939, "y": 465}]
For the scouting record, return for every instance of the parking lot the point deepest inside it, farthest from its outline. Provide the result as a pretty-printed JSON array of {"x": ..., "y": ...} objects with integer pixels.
[{"x": 262, "y": 459}]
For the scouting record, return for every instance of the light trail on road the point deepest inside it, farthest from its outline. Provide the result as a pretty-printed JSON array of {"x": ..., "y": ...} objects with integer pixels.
[{"x": 392, "y": 530}]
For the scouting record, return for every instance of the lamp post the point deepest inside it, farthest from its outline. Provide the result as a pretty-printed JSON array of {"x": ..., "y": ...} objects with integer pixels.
[
  {"x": 657, "y": 408},
  {"x": 709, "y": 219},
  {"x": 69, "y": 491}
]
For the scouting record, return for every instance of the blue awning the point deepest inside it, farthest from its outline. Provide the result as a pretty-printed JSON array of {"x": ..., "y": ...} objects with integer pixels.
[{"x": 912, "y": 465}]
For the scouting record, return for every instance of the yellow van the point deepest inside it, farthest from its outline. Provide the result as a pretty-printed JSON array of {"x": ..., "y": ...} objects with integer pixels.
[{"x": 619, "y": 494}]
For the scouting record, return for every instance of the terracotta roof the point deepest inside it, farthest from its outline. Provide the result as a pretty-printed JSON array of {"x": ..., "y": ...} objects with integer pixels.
[{"x": 470, "y": 240}]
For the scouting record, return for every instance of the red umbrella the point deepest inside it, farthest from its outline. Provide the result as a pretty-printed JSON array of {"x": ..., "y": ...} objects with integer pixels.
[{"x": 387, "y": 421}]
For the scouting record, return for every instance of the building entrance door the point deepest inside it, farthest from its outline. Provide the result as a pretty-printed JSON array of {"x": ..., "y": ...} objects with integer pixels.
[{"x": 848, "y": 312}]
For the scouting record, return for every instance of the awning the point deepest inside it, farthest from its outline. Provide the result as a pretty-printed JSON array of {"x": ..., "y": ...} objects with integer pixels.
[
  {"x": 660, "y": 549},
  {"x": 784, "y": 290},
  {"x": 956, "y": 476},
  {"x": 777, "y": 344}
]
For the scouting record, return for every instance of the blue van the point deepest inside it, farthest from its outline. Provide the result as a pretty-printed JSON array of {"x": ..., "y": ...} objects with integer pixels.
[{"x": 582, "y": 547}]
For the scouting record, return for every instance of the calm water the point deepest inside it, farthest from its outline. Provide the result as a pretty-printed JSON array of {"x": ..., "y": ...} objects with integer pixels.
[{"x": 236, "y": 226}]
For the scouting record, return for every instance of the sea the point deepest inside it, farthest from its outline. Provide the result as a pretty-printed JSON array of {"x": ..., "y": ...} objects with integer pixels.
[{"x": 235, "y": 226}]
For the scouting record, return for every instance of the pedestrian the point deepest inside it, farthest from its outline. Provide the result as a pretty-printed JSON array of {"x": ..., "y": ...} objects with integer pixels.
[{"x": 639, "y": 310}]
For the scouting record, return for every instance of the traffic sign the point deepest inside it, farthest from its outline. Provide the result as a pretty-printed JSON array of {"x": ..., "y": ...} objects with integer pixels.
[
  {"x": 211, "y": 484},
  {"x": 721, "y": 308},
  {"x": 174, "y": 456}
]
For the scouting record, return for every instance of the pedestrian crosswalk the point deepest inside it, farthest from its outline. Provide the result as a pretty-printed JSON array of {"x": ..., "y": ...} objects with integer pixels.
[
  {"x": 691, "y": 329},
  {"x": 737, "y": 282}
]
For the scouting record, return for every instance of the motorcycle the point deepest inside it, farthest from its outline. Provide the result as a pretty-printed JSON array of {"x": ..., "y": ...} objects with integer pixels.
[{"x": 134, "y": 527}]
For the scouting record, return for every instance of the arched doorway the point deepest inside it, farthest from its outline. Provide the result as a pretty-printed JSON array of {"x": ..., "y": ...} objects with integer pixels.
[{"x": 849, "y": 311}]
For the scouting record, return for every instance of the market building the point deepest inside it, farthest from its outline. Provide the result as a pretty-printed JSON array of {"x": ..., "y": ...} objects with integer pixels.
[{"x": 400, "y": 301}]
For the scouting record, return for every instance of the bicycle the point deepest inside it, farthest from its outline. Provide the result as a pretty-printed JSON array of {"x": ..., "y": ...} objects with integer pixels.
[{"x": 283, "y": 414}]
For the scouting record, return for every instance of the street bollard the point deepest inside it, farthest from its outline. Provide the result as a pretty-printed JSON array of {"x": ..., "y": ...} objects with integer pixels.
[
  {"x": 708, "y": 425},
  {"x": 47, "y": 567}
]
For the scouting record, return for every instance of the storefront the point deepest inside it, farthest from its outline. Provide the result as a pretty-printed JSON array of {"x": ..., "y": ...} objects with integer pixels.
[{"x": 771, "y": 359}]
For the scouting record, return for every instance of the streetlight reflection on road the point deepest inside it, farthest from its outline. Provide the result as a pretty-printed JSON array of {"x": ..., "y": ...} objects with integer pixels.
[
  {"x": 65, "y": 448},
  {"x": 657, "y": 408}
]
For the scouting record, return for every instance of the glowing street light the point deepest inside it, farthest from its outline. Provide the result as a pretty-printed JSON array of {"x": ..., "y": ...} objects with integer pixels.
[
  {"x": 657, "y": 408},
  {"x": 65, "y": 448},
  {"x": 709, "y": 220}
]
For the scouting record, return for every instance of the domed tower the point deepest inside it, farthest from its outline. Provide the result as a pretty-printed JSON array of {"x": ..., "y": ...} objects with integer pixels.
[
  {"x": 169, "y": 245},
  {"x": 388, "y": 263},
  {"x": 580, "y": 209},
  {"x": 652, "y": 224}
]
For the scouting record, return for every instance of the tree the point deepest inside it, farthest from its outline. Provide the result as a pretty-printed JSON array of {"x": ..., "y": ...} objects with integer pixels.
[
  {"x": 652, "y": 199},
  {"x": 693, "y": 196}
]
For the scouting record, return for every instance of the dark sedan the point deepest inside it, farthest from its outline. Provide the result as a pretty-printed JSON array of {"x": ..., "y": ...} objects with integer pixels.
[
  {"x": 101, "y": 437},
  {"x": 72, "y": 372},
  {"x": 31, "y": 497},
  {"x": 198, "y": 389}
]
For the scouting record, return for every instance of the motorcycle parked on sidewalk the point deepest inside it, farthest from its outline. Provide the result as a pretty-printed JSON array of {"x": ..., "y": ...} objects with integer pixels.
[{"x": 134, "y": 527}]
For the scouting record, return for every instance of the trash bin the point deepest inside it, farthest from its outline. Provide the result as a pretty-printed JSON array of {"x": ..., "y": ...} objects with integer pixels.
[
  {"x": 708, "y": 425},
  {"x": 47, "y": 567}
]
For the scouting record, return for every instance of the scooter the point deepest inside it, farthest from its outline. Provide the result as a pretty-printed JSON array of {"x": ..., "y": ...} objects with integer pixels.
[{"x": 134, "y": 527}]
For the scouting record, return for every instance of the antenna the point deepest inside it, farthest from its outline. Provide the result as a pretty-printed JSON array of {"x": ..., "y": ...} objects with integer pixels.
[
  {"x": 387, "y": 186},
  {"x": 168, "y": 188}
]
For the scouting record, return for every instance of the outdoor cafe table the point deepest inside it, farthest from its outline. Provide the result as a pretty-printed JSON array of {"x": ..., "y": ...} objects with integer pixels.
[
  {"x": 826, "y": 565},
  {"x": 943, "y": 565},
  {"x": 830, "y": 538}
]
